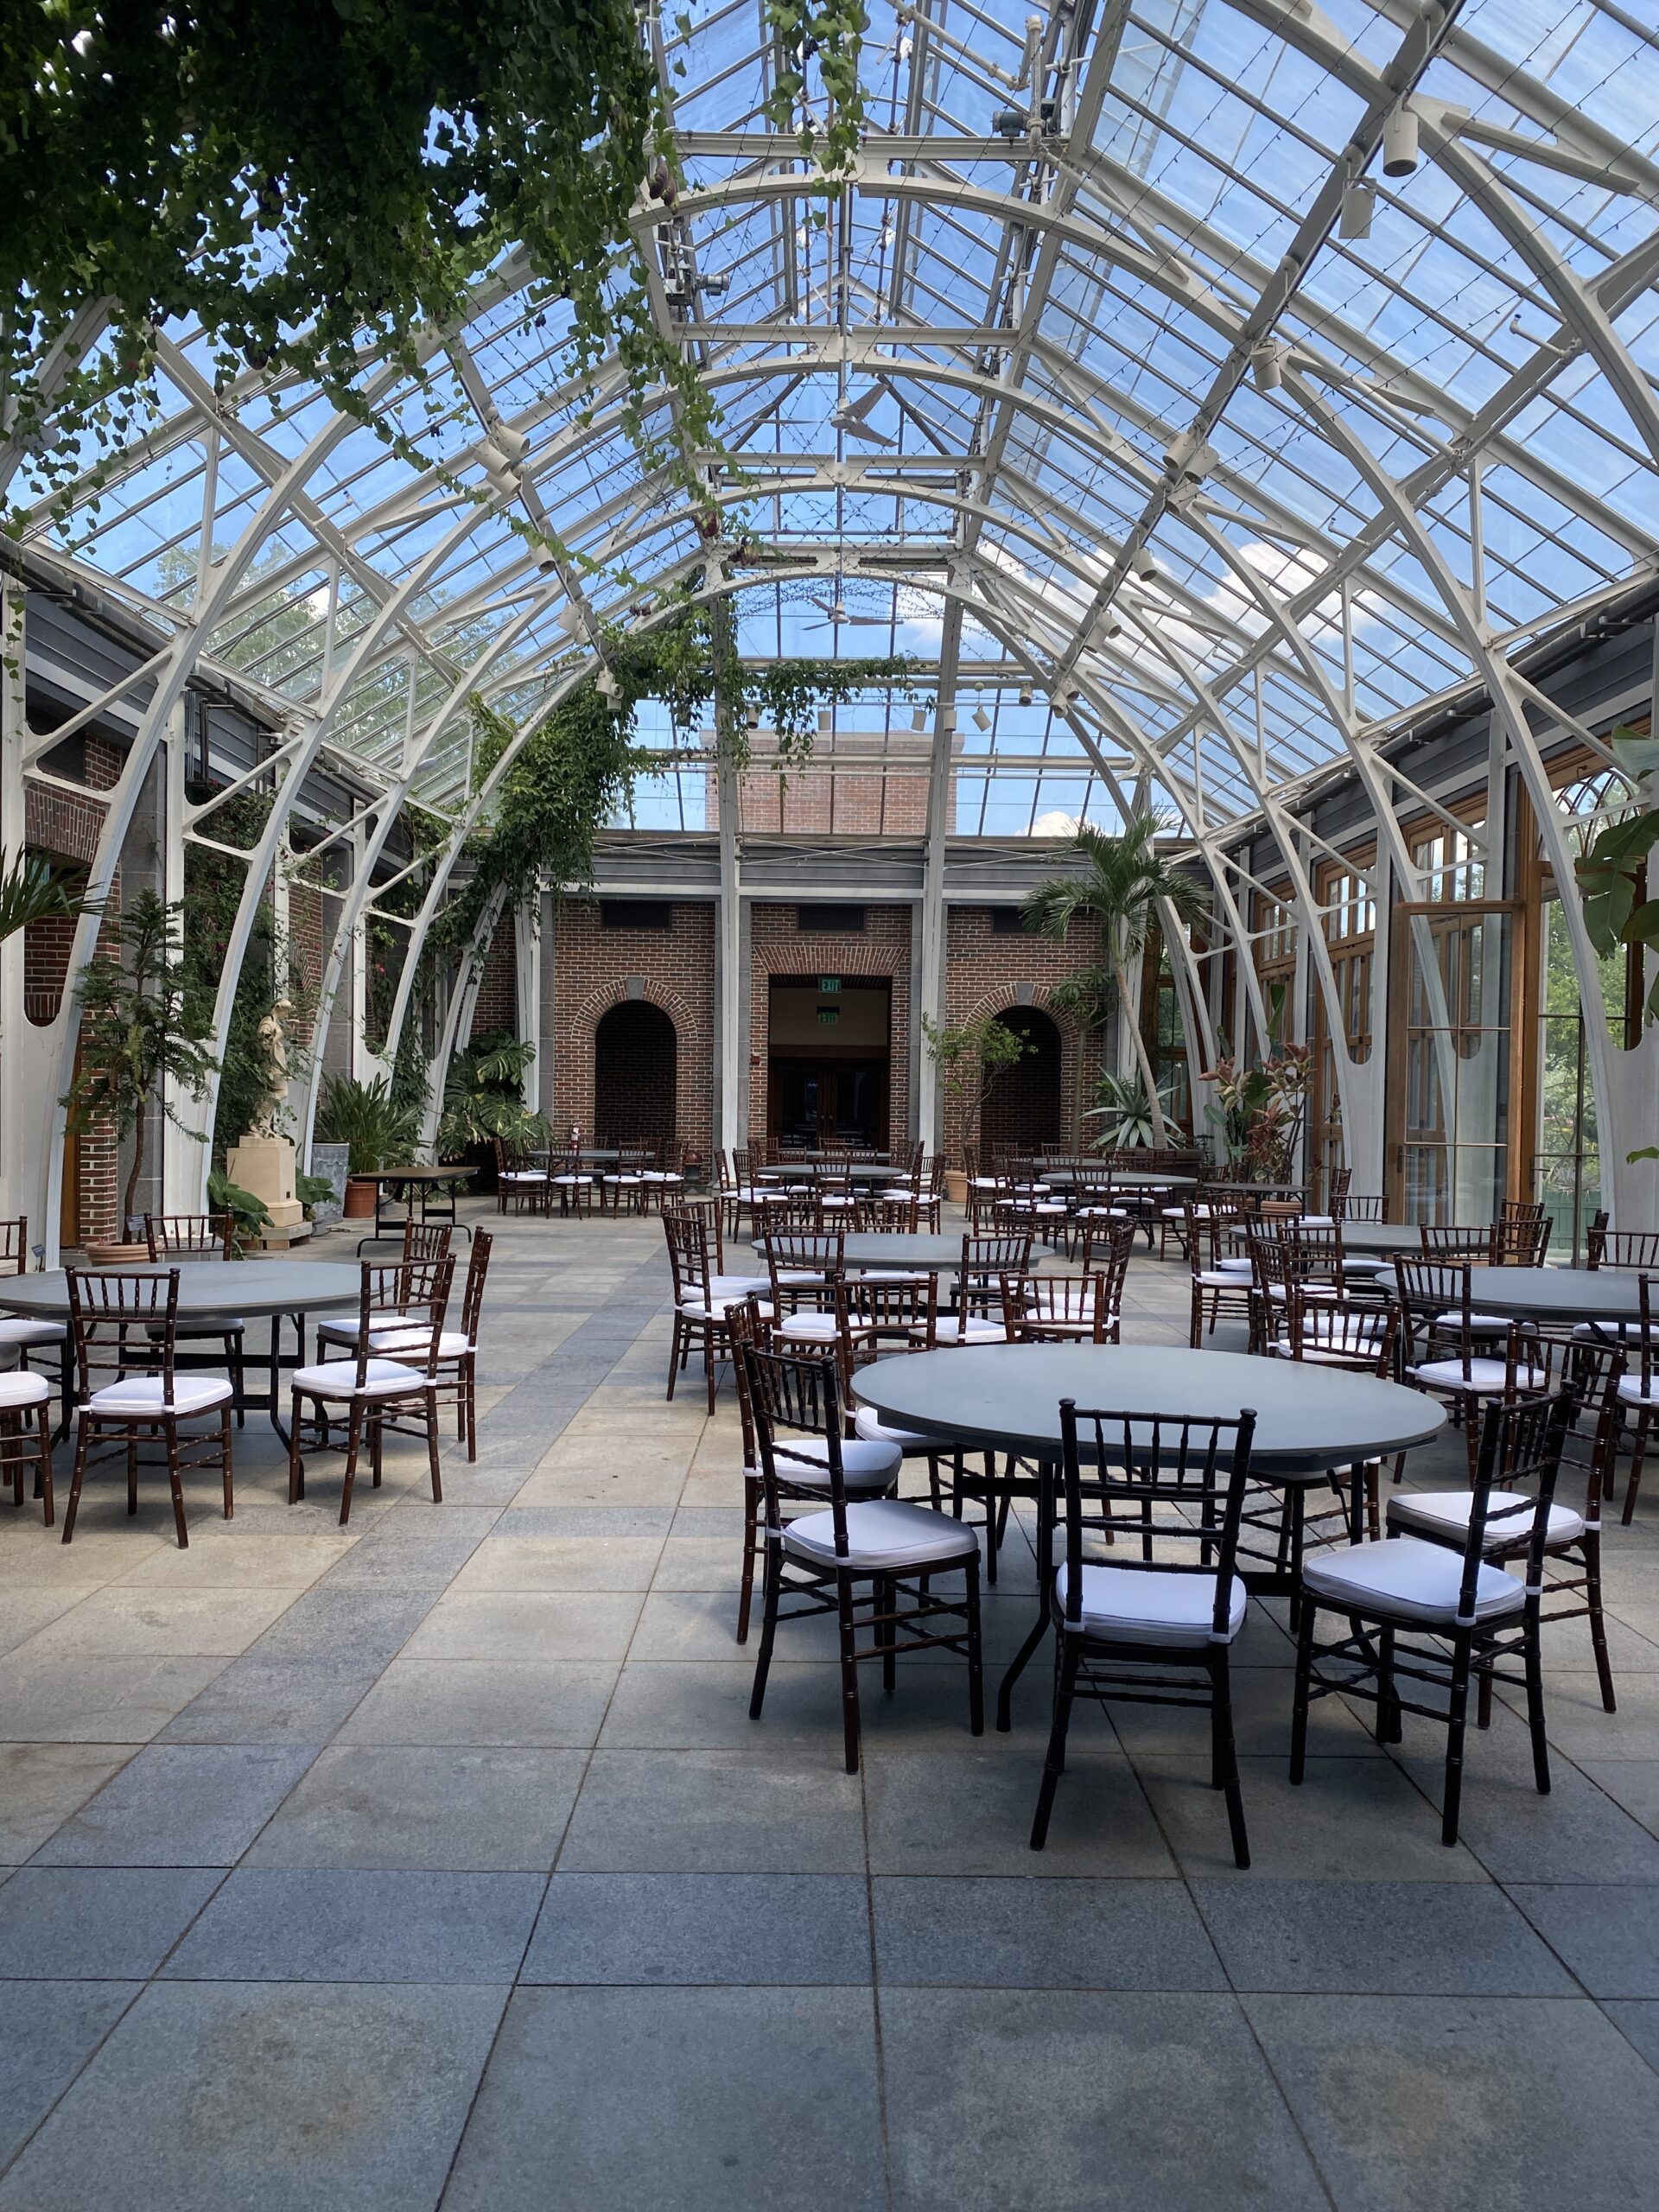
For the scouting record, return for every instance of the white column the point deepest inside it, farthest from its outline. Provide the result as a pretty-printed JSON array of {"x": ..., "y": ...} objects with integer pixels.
[{"x": 733, "y": 1065}]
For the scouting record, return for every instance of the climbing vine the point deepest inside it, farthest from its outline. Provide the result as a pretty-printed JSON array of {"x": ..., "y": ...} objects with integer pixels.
[
  {"x": 832, "y": 35},
  {"x": 302, "y": 176}
]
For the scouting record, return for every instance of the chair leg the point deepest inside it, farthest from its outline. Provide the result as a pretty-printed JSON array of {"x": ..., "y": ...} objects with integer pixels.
[
  {"x": 1065, "y": 1681},
  {"x": 432, "y": 1445},
  {"x": 224, "y": 1456},
  {"x": 295, "y": 1464},
  {"x": 233, "y": 1361},
  {"x": 1598, "y": 1624},
  {"x": 1223, "y": 1755},
  {"x": 353, "y": 1438},
  {"x": 82, "y": 1429},
  {"x": 1638, "y": 1450},
  {"x": 1299, "y": 1699},
  {"x": 750, "y": 1536},
  {"x": 677, "y": 1351},
  {"x": 45, "y": 1461},
  {"x": 976, "y": 1652},
  {"x": 132, "y": 1471},
  {"x": 1457, "y": 1719},
  {"x": 1389, "y": 1725},
  {"x": 174, "y": 1484},
  {"x": 849, "y": 1724},
  {"x": 1533, "y": 1667},
  {"x": 469, "y": 1386},
  {"x": 768, "y": 1626},
  {"x": 883, "y": 1592}
]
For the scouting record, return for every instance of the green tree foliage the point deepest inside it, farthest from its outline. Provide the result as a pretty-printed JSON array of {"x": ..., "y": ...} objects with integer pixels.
[
  {"x": 296, "y": 174},
  {"x": 32, "y": 890},
  {"x": 1611, "y": 875},
  {"x": 484, "y": 1098},
  {"x": 1123, "y": 882},
  {"x": 140, "y": 1021},
  {"x": 967, "y": 1058}
]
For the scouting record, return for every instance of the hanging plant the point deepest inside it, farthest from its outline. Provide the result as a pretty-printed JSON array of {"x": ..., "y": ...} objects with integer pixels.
[
  {"x": 300, "y": 176},
  {"x": 833, "y": 36}
]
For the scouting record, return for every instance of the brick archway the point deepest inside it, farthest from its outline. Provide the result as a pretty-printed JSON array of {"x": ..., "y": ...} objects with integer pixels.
[
  {"x": 576, "y": 1099},
  {"x": 1011, "y": 998}
]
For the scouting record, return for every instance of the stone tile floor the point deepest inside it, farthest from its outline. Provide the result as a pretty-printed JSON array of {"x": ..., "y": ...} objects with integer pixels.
[{"x": 436, "y": 1861}]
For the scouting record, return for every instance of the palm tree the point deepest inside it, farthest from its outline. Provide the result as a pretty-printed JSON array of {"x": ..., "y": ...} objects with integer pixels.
[
  {"x": 1121, "y": 886},
  {"x": 32, "y": 890}
]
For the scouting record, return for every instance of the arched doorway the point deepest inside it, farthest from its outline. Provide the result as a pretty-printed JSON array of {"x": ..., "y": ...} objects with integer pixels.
[
  {"x": 634, "y": 1054},
  {"x": 1022, "y": 1109}
]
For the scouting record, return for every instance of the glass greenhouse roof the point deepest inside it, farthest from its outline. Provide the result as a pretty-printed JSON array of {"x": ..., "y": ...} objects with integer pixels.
[{"x": 1187, "y": 451}]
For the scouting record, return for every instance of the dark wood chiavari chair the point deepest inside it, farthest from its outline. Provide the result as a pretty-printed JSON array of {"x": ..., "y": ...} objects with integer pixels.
[
  {"x": 1422, "y": 1612},
  {"x": 517, "y": 1185},
  {"x": 1155, "y": 1623},
  {"x": 1638, "y": 1388},
  {"x": 1447, "y": 1354},
  {"x": 387, "y": 1380},
  {"x": 125, "y": 1329},
  {"x": 1223, "y": 1279},
  {"x": 701, "y": 1298},
  {"x": 27, "y": 1336},
  {"x": 872, "y": 1563}
]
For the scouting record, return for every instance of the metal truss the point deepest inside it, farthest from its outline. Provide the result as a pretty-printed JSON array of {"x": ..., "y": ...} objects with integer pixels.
[{"x": 1078, "y": 383}]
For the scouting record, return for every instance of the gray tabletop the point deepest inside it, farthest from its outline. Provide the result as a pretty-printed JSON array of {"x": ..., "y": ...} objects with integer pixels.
[
  {"x": 1361, "y": 1238},
  {"x": 898, "y": 1249},
  {"x": 1009, "y": 1395},
  {"x": 1243, "y": 1190},
  {"x": 809, "y": 1171},
  {"x": 1556, "y": 1293},
  {"x": 1116, "y": 1179},
  {"x": 453, "y": 1172},
  {"x": 213, "y": 1286}
]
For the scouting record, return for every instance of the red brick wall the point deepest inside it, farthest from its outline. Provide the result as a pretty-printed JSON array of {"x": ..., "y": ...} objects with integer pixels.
[
  {"x": 982, "y": 971},
  {"x": 498, "y": 992},
  {"x": 891, "y": 800},
  {"x": 779, "y": 948},
  {"x": 676, "y": 969},
  {"x": 636, "y": 1075},
  {"x": 305, "y": 947}
]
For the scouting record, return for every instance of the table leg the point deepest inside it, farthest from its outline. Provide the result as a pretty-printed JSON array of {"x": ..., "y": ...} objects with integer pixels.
[{"x": 1040, "y": 1627}]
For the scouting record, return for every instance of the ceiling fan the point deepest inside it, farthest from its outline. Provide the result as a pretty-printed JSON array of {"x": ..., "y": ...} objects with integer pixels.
[
  {"x": 836, "y": 611},
  {"x": 849, "y": 416}
]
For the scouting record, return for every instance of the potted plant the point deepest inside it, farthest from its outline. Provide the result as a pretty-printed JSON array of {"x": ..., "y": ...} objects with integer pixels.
[
  {"x": 969, "y": 1055},
  {"x": 483, "y": 1099},
  {"x": 1124, "y": 882},
  {"x": 377, "y": 1132},
  {"x": 140, "y": 1025}
]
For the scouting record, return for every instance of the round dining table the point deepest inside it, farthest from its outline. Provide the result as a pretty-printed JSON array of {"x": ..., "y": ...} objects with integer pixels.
[
  {"x": 1564, "y": 1295},
  {"x": 1309, "y": 1420},
  {"x": 812, "y": 1170},
  {"x": 897, "y": 1248},
  {"x": 211, "y": 1290}
]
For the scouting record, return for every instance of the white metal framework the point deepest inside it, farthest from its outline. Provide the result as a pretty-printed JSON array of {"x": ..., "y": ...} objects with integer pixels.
[{"x": 1205, "y": 391}]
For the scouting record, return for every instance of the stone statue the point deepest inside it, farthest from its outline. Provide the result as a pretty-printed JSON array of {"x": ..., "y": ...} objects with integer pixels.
[{"x": 272, "y": 1033}]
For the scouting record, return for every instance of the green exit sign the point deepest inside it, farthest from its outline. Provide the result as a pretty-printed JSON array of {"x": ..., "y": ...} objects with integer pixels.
[
  {"x": 828, "y": 982},
  {"x": 829, "y": 1016}
]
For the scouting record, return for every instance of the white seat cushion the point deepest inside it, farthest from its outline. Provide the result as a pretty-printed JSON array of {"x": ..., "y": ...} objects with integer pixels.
[
  {"x": 1485, "y": 1378},
  {"x": 1632, "y": 1393},
  {"x": 143, "y": 1395},
  {"x": 808, "y": 1329},
  {"x": 17, "y": 1390},
  {"x": 726, "y": 1286},
  {"x": 864, "y": 1466},
  {"x": 1222, "y": 1279},
  {"x": 1445, "y": 1513},
  {"x": 1341, "y": 1353},
  {"x": 337, "y": 1378},
  {"x": 870, "y": 1425},
  {"x": 571, "y": 1179},
  {"x": 217, "y": 1326},
  {"x": 1486, "y": 1323},
  {"x": 521, "y": 1175},
  {"x": 695, "y": 1310},
  {"x": 886, "y": 1534},
  {"x": 17, "y": 1334},
  {"x": 970, "y": 1329},
  {"x": 394, "y": 1341},
  {"x": 1403, "y": 1578},
  {"x": 1318, "y": 1220},
  {"x": 1102, "y": 1213},
  {"x": 1244, "y": 1267},
  {"x": 1136, "y": 1604}
]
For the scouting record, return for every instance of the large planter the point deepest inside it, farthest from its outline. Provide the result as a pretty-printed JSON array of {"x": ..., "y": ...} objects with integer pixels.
[
  {"x": 332, "y": 1163},
  {"x": 359, "y": 1198},
  {"x": 956, "y": 1188},
  {"x": 117, "y": 1255}
]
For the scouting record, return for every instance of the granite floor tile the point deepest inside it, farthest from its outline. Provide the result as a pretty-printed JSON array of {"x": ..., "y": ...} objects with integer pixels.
[
  {"x": 1352, "y": 1819},
  {"x": 1604, "y": 1933},
  {"x": 122, "y": 1623},
  {"x": 210, "y": 2095},
  {"x": 179, "y": 1805},
  {"x": 333, "y": 1925},
  {"x": 1102, "y": 2101},
  {"x": 517, "y": 1624},
  {"x": 96, "y": 1923},
  {"x": 86, "y": 1701},
  {"x": 1427, "y": 1939},
  {"x": 1042, "y": 1933},
  {"x": 696, "y": 1929},
  {"x": 714, "y": 1812},
  {"x": 1441, "y": 2100},
  {"x": 541, "y": 1563},
  {"x": 552, "y": 1704},
  {"x": 41, "y": 1784},
  {"x": 461, "y": 1809},
  {"x": 746, "y": 2100},
  {"x": 50, "y": 2030},
  {"x": 968, "y": 1811}
]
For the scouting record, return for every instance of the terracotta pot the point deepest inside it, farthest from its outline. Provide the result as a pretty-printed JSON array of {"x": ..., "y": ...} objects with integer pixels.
[
  {"x": 117, "y": 1255},
  {"x": 359, "y": 1198},
  {"x": 956, "y": 1188}
]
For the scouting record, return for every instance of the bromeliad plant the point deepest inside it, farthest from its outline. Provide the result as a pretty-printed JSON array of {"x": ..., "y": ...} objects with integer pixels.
[
  {"x": 364, "y": 1116},
  {"x": 1124, "y": 1112}
]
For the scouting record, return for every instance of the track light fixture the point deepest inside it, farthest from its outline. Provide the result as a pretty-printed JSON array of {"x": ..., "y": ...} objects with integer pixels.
[
  {"x": 606, "y": 685},
  {"x": 1267, "y": 365},
  {"x": 1143, "y": 566},
  {"x": 981, "y": 719},
  {"x": 1025, "y": 695},
  {"x": 1358, "y": 205},
  {"x": 1400, "y": 140}
]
